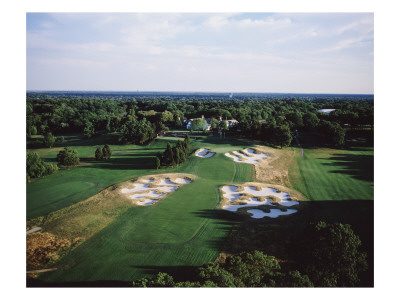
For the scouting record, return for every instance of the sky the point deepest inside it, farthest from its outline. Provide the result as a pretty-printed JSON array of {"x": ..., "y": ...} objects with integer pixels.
[{"x": 203, "y": 52}]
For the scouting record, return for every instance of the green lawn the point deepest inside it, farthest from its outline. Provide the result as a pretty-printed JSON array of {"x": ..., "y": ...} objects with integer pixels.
[
  {"x": 328, "y": 174},
  {"x": 178, "y": 231},
  {"x": 184, "y": 230},
  {"x": 67, "y": 187}
]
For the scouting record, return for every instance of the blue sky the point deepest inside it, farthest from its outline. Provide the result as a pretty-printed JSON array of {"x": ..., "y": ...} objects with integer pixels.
[{"x": 241, "y": 52}]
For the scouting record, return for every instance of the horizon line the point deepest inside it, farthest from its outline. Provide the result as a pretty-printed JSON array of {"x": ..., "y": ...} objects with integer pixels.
[{"x": 199, "y": 92}]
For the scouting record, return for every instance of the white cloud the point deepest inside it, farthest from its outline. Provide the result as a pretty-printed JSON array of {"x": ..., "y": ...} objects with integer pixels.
[{"x": 243, "y": 51}]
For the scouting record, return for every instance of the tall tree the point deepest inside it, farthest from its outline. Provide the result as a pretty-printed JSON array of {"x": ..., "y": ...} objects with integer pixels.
[
  {"x": 98, "y": 154},
  {"x": 106, "y": 152},
  {"x": 282, "y": 136},
  {"x": 198, "y": 125},
  {"x": 88, "y": 131},
  {"x": 49, "y": 140}
]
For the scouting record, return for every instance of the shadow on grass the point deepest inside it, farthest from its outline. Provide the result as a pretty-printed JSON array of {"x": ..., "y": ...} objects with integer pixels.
[
  {"x": 31, "y": 282},
  {"x": 275, "y": 237},
  {"x": 279, "y": 237},
  {"x": 130, "y": 162},
  {"x": 358, "y": 166}
]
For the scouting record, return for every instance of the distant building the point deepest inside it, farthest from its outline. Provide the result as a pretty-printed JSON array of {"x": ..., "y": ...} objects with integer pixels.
[
  {"x": 326, "y": 110},
  {"x": 208, "y": 120}
]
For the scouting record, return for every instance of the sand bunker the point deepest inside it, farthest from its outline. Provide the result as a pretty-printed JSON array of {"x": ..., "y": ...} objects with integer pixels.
[
  {"x": 204, "y": 153},
  {"x": 249, "y": 196},
  {"x": 274, "y": 213},
  {"x": 248, "y": 156},
  {"x": 148, "y": 191}
]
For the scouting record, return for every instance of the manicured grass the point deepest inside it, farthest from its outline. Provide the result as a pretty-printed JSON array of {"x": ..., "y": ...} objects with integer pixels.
[
  {"x": 177, "y": 231},
  {"x": 329, "y": 174},
  {"x": 67, "y": 187}
]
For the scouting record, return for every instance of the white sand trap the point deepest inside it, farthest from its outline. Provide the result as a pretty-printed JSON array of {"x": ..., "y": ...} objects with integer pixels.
[
  {"x": 182, "y": 180},
  {"x": 204, "y": 153},
  {"x": 274, "y": 213},
  {"x": 250, "y": 158},
  {"x": 138, "y": 187},
  {"x": 166, "y": 181},
  {"x": 167, "y": 189},
  {"x": 153, "y": 194},
  {"x": 147, "y": 202},
  {"x": 231, "y": 193},
  {"x": 148, "y": 180},
  {"x": 249, "y": 203},
  {"x": 143, "y": 194}
]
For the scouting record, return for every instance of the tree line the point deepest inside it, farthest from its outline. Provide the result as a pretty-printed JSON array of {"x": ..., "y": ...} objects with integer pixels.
[{"x": 140, "y": 119}]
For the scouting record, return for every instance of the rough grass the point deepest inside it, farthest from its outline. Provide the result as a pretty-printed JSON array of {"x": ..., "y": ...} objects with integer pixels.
[{"x": 43, "y": 248}]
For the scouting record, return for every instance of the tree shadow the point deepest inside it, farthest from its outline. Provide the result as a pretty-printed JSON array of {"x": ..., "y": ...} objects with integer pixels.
[
  {"x": 357, "y": 166},
  {"x": 130, "y": 162}
]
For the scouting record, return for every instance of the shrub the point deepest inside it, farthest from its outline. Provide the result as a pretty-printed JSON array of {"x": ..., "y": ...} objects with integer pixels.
[
  {"x": 106, "y": 152},
  {"x": 36, "y": 168},
  {"x": 49, "y": 140},
  {"x": 60, "y": 139},
  {"x": 98, "y": 154},
  {"x": 67, "y": 157}
]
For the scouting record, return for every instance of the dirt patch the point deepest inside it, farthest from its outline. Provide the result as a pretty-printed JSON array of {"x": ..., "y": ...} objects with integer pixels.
[{"x": 43, "y": 249}]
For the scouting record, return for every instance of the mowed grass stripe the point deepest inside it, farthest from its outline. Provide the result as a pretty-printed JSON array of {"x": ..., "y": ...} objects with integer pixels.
[{"x": 336, "y": 174}]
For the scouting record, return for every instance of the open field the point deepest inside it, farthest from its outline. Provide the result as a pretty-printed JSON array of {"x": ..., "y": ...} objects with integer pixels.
[
  {"x": 67, "y": 187},
  {"x": 118, "y": 241},
  {"x": 174, "y": 232}
]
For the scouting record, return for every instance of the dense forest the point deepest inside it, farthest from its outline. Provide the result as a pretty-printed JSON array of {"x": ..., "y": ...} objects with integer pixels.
[{"x": 139, "y": 117}]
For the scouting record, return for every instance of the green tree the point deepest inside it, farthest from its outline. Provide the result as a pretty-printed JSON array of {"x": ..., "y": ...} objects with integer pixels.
[
  {"x": 223, "y": 125},
  {"x": 88, "y": 131},
  {"x": 157, "y": 163},
  {"x": 49, "y": 140},
  {"x": 106, "y": 152},
  {"x": 295, "y": 119},
  {"x": 98, "y": 154},
  {"x": 166, "y": 116},
  {"x": 34, "y": 165},
  {"x": 282, "y": 136},
  {"x": 310, "y": 120},
  {"x": 33, "y": 130},
  {"x": 36, "y": 168},
  {"x": 161, "y": 280},
  {"x": 333, "y": 133},
  {"x": 330, "y": 255},
  {"x": 67, "y": 157},
  {"x": 186, "y": 141},
  {"x": 198, "y": 125},
  {"x": 60, "y": 139},
  {"x": 108, "y": 125},
  {"x": 137, "y": 132},
  {"x": 214, "y": 124}
]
